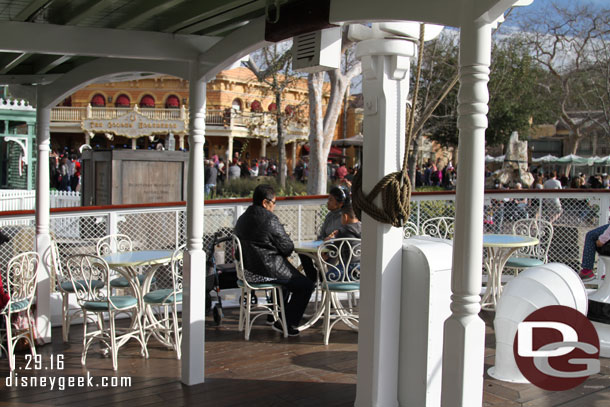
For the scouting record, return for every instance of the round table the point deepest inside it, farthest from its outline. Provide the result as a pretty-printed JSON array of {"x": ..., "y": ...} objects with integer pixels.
[{"x": 499, "y": 249}]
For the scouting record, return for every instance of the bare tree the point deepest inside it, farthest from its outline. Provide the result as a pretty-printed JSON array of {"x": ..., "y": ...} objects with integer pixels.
[
  {"x": 323, "y": 123},
  {"x": 273, "y": 68},
  {"x": 569, "y": 42}
]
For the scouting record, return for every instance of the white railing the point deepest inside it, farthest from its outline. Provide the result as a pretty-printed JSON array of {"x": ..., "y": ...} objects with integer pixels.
[
  {"x": 78, "y": 114},
  {"x": 21, "y": 199},
  {"x": 165, "y": 227}
]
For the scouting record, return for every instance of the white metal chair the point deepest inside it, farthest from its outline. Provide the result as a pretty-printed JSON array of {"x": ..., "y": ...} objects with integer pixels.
[
  {"x": 65, "y": 287},
  {"x": 88, "y": 273},
  {"x": 165, "y": 327},
  {"x": 20, "y": 284},
  {"x": 410, "y": 229},
  {"x": 114, "y": 244},
  {"x": 340, "y": 260},
  {"x": 531, "y": 256},
  {"x": 275, "y": 308},
  {"x": 441, "y": 227}
]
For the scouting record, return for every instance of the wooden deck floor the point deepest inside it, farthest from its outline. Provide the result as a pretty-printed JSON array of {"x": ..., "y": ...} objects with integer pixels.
[{"x": 266, "y": 371}]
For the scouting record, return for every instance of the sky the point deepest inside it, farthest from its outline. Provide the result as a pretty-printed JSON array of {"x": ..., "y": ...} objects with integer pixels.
[{"x": 539, "y": 4}]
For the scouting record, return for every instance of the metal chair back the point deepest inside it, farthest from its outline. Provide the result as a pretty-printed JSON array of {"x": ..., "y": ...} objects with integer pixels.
[{"x": 541, "y": 230}]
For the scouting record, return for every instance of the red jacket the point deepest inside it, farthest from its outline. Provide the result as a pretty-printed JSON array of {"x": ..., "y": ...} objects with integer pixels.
[{"x": 4, "y": 297}]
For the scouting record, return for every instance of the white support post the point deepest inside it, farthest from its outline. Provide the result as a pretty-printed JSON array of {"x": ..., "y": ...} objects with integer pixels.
[
  {"x": 134, "y": 144},
  {"x": 464, "y": 343},
  {"x": 43, "y": 237},
  {"x": 229, "y": 153},
  {"x": 604, "y": 209},
  {"x": 385, "y": 65},
  {"x": 193, "y": 303}
]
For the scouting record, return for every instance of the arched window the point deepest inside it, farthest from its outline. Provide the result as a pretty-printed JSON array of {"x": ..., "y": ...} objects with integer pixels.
[
  {"x": 122, "y": 101},
  {"x": 172, "y": 102},
  {"x": 236, "y": 105},
  {"x": 98, "y": 100},
  {"x": 256, "y": 106},
  {"x": 147, "y": 101},
  {"x": 272, "y": 107},
  {"x": 289, "y": 110},
  {"x": 67, "y": 101}
]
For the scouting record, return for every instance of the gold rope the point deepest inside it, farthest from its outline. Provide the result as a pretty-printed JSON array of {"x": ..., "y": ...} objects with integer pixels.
[{"x": 395, "y": 188}]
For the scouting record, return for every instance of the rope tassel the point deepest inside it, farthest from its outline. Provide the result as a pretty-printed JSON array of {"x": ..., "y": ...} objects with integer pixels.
[{"x": 395, "y": 199}]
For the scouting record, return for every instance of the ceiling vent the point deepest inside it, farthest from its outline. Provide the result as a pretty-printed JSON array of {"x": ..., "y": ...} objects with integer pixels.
[{"x": 317, "y": 51}]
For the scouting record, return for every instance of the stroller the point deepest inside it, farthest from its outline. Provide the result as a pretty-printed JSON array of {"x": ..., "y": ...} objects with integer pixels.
[{"x": 221, "y": 275}]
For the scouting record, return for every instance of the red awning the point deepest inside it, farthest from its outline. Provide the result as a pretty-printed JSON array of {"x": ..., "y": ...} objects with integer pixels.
[
  {"x": 272, "y": 107},
  {"x": 334, "y": 151},
  {"x": 147, "y": 101},
  {"x": 98, "y": 100},
  {"x": 122, "y": 101},
  {"x": 172, "y": 101}
]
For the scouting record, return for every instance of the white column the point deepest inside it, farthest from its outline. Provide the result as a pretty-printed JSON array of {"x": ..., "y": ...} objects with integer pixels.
[
  {"x": 87, "y": 139},
  {"x": 464, "y": 344},
  {"x": 134, "y": 144},
  {"x": 43, "y": 238},
  {"x": 193, "y": 303},
  {"x": 229, "y": 150},
  {"x": 294, "y": 155},
  {"x": 385, "y": 65},
  {"x": 263, "y": 147},
  {"x": 181, "y": 142}
]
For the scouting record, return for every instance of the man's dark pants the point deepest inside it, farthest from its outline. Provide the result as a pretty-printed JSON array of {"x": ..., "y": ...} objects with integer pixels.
[{"x": 299, "y": 287}]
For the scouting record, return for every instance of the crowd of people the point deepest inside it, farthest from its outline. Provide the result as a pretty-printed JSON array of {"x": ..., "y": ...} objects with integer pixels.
[
  {"x": 65, "y": 170},
  {"x": 436, "y": 175}
]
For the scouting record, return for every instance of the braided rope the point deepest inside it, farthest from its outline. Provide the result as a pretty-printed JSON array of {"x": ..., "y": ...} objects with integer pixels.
[{"x": 395, "y": 188}]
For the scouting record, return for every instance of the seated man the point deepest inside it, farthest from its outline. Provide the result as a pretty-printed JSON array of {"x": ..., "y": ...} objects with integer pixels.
[{"x": 266, "y": 247}]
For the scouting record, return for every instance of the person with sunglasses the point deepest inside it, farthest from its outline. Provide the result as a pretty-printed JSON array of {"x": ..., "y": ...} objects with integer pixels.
[{"x": 266, "y": 247}]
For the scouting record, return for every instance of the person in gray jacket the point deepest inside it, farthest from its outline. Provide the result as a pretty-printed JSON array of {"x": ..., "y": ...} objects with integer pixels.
[{"x": 337, "y": 197}]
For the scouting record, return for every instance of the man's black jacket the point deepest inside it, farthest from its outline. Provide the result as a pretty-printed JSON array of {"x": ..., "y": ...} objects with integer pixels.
[{"x": 265, "y": 243}]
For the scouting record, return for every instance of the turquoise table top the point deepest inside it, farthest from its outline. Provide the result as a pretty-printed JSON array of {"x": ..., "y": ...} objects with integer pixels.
[
  {"x": 508, "y": 241},
  {"x": 138, "y": 258},
  {"x": 308, "y": 246}
]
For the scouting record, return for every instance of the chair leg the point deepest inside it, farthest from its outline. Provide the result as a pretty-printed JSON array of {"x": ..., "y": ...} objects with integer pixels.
[
  {"x": 248, "y": 305},
  {"x": 10, "y": 348},
  {"x": 84, "y": 354},
  {"x": 113, "y": 348},
  {"x": 242, "y": 310},
  {"x": 326, "y": 331},
  {"x": 278, "y": 292},
  {"x": 66, "y": 320},
  {"x": 144, "y": 351},
  {"x": 177, "y": 335},
  {"x": 31, "y": 328}
]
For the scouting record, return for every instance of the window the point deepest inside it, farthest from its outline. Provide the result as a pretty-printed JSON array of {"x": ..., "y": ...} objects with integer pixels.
[
  {"x": 147, "y": 101},
  {"x": 272, "y": 107},
  {"x": 256, "y": 106},
  {"x": 122, "y": 101},
  {"x": 289, "y": 110},
  {"x": 172, "y": 102},
  {"x": 236, "y": 105},
  {"x": 98, "y": 101}
]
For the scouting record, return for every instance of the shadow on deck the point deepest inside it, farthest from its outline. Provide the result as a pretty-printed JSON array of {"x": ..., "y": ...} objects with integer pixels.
[{"x": 266, "y": 371}]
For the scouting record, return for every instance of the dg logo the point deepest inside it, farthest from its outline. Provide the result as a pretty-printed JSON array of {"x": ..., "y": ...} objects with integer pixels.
[{"x": 556, "y": 348}]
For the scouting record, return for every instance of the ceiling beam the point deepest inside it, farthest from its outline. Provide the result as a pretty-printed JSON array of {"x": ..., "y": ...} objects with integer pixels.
[
  {"x": 143, "y": 11},
  {"x": 30, "y": 11},
  {"x": 208, "y": 9},
  {"x": 53, "y": 62},
  {"x": 14, "y": 62},
  {"x": 28, "y": 79},
  {"x": 100, "y": 42},
  {"x": 86, "y": 10}
]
